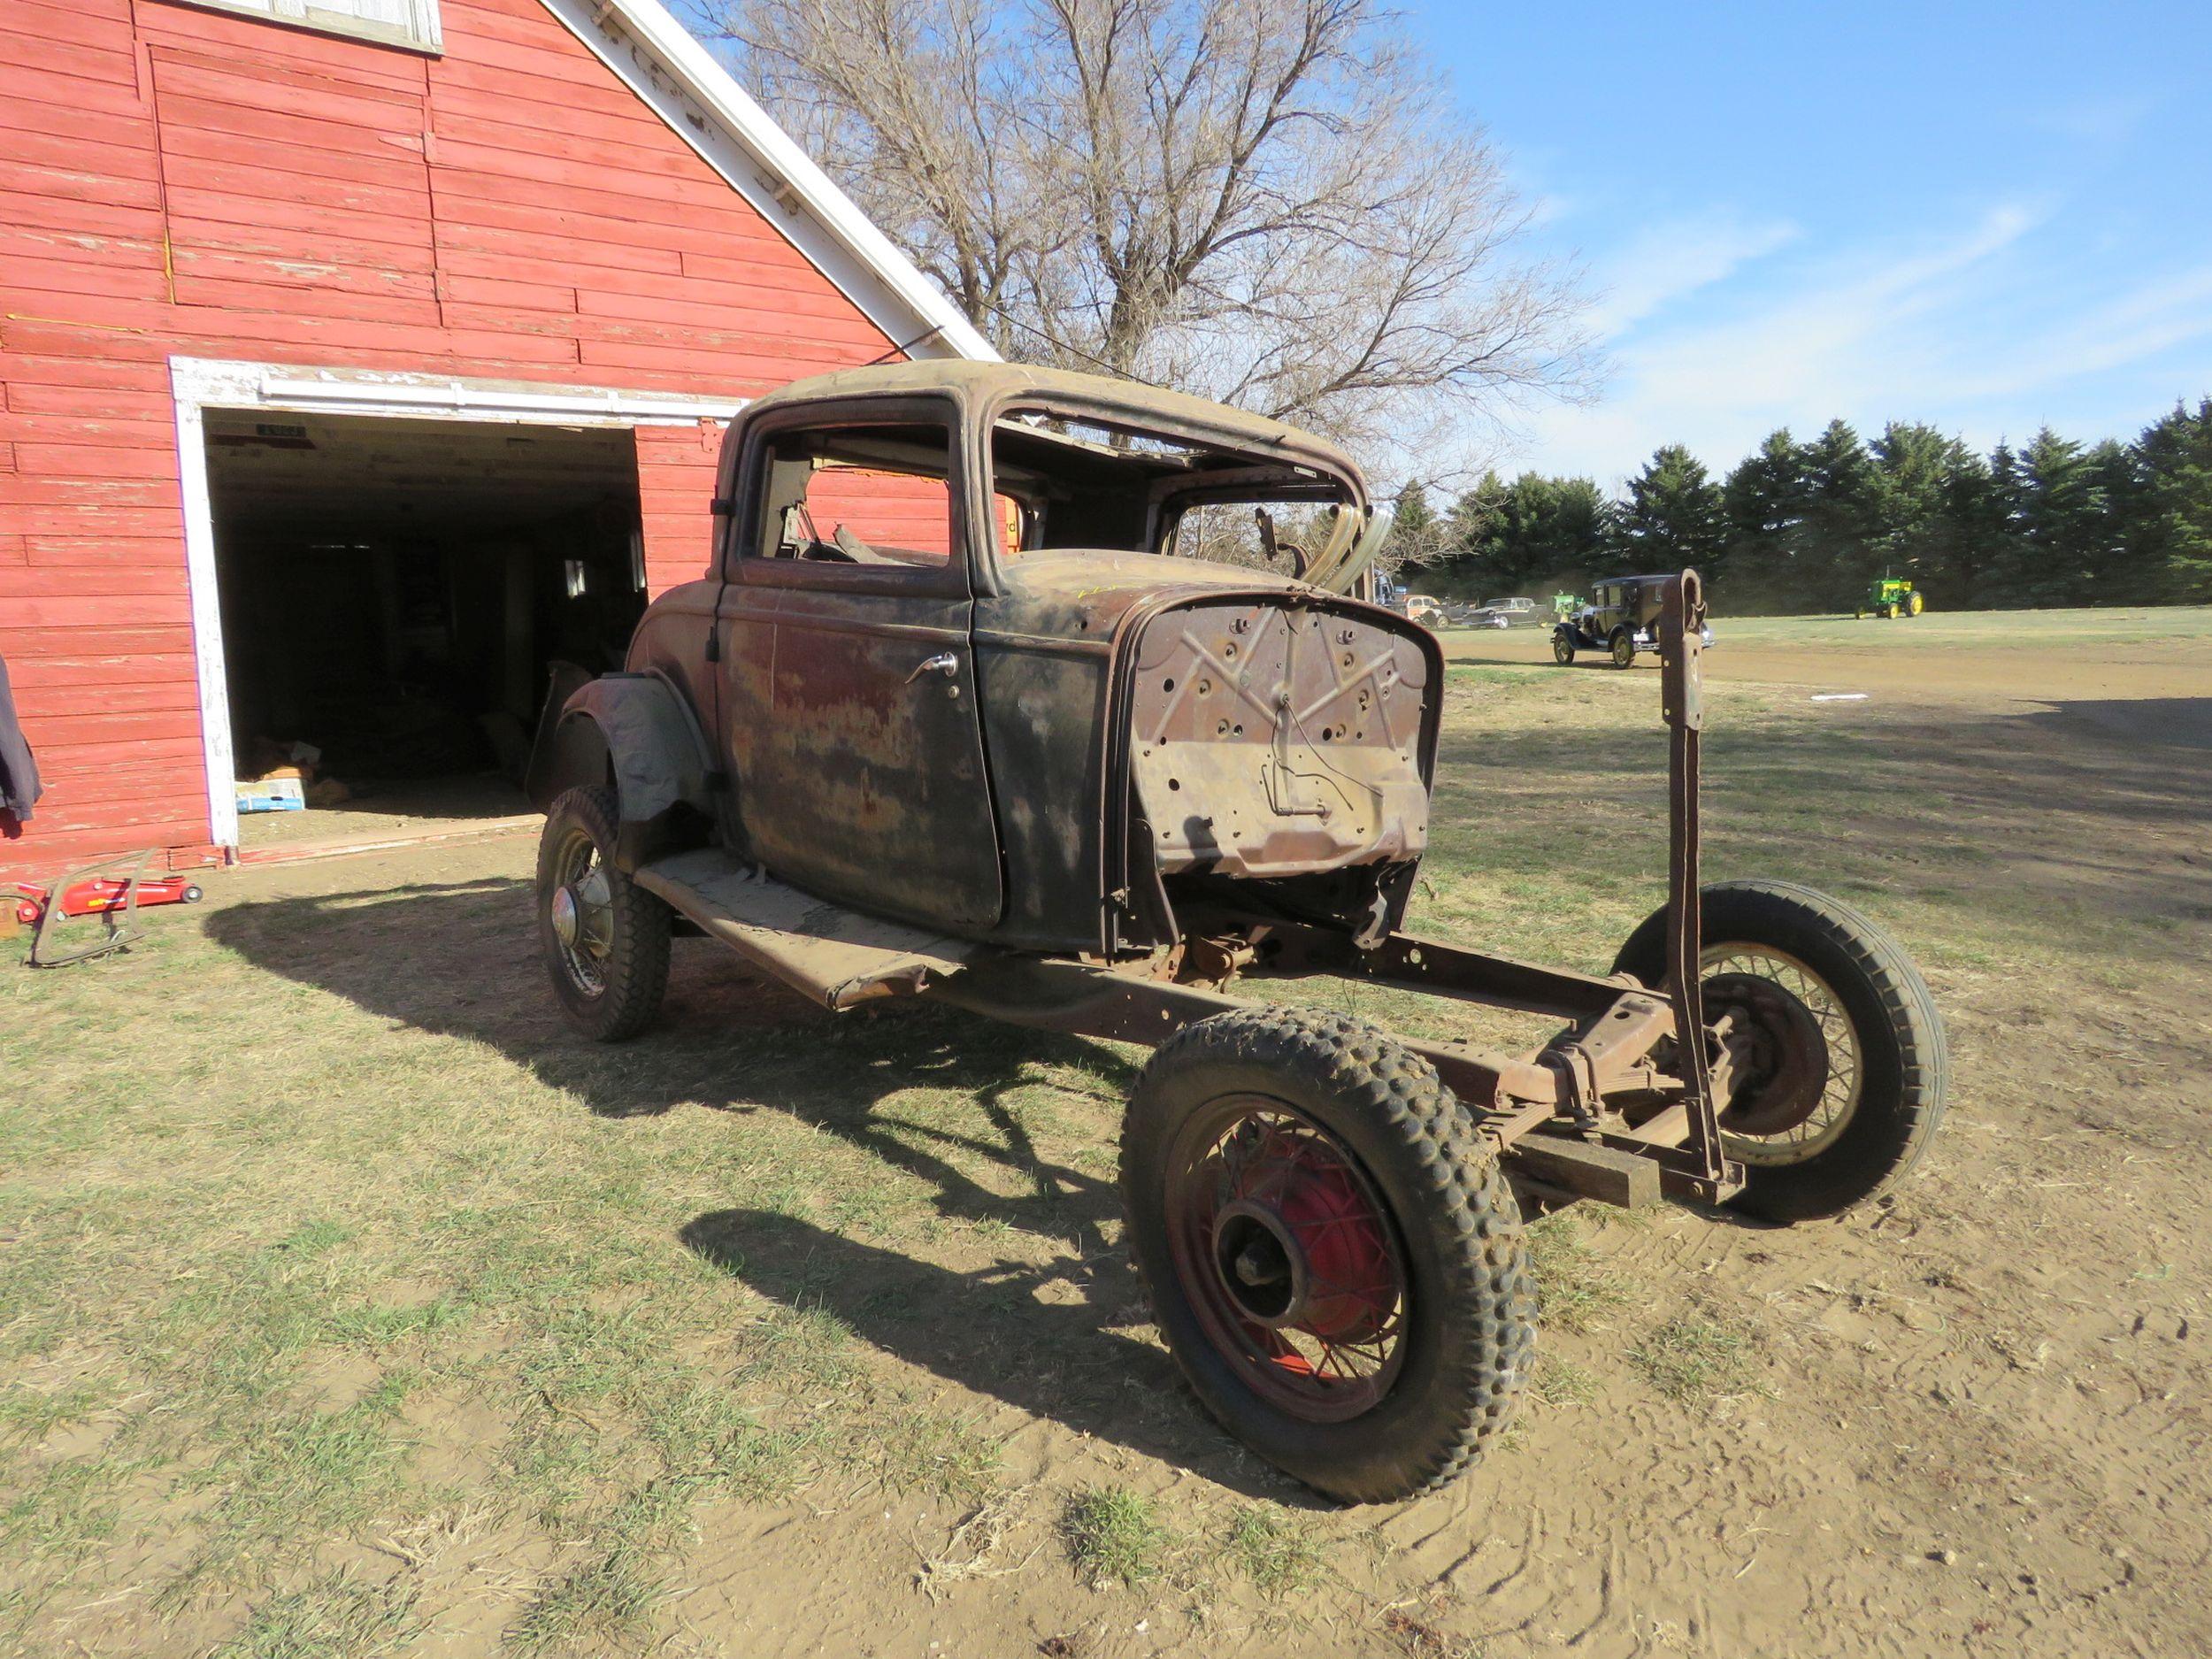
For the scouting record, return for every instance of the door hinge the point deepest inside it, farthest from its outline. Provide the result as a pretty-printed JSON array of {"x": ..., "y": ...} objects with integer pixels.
[{"x": 714, "y": 645}]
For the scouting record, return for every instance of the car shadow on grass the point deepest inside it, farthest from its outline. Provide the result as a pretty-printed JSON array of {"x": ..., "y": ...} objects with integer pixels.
[
  {"x": 461, "y": 960},
  {"x": 1042, "y": 1339}
]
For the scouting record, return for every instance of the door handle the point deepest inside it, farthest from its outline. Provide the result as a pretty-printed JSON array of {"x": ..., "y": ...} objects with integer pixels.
[{"x": 944, "y": 662}]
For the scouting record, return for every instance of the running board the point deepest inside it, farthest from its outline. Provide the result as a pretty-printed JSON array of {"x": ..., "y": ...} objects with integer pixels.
[{"x": 834, "y": 955}]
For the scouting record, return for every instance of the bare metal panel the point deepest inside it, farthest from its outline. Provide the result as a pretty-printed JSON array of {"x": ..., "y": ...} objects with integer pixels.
[{"x": 1271, "y": 740}]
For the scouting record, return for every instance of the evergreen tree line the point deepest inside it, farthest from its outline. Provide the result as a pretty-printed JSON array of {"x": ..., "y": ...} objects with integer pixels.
[{"x": 1803, "y": 528}]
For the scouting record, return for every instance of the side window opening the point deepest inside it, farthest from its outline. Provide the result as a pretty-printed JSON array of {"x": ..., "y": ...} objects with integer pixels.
[{"x": 874, "y": 495}]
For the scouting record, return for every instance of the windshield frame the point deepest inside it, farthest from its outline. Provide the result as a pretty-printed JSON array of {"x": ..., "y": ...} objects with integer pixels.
[{"x": 1294, "y": 468}]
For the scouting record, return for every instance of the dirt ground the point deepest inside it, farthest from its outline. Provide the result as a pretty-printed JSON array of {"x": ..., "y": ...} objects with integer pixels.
[{"x": 348, "y": 1306}]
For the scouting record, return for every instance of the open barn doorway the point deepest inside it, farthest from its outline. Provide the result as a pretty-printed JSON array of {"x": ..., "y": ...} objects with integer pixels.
[{"x": 392, "y": 592}]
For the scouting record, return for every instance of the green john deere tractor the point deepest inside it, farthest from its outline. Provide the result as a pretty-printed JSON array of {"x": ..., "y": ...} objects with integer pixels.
[{"x": 1892, "y": 597}]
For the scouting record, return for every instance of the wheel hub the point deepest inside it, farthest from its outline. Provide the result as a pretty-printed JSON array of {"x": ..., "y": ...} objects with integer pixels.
[
  {"x": 582, "y": 915},
  {"x": 565, "y": 916},
  {"x": 1779, "y": 1055},
  {"x": 1302, "y": 1248},
  {"x": 1260, "y": 1264}
]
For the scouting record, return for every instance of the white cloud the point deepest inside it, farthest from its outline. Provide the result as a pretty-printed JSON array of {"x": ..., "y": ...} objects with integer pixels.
[
  {"x": 2156, "y": 318},
  {"x": 2107, "y": 122},
  {"x": 1671, "y": 262},
  {"x": 1960, "y": 329}
]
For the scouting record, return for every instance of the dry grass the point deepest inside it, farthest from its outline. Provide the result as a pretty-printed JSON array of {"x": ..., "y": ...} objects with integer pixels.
[{"x": 319, "y": 1227}]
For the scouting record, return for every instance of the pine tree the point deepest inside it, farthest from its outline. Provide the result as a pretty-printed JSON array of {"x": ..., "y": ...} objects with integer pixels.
[
  {"x": 1417, "y": 536},
  {"x": 1471, "y": 532},
  {"x": 2172, "y": 523},
  {"x": 1917, "y": 528},
  {"x": 1766, "y": 499},
  {"x": 2052, "y": 559},
  {"x": 1963, "y": 533},
  {"x": 1837, "y": 554},
  {"x": 1805, "y": 526},
  {"x": 1996, "y": 532},
  {"x": 1673, "y": 516}
]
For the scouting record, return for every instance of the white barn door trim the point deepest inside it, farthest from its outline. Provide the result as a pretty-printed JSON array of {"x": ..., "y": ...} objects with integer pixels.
[{"x": 200, "y": 384}]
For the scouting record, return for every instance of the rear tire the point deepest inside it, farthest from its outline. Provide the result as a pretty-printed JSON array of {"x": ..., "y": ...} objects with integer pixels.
[
  {"x": 613, "y": 970},
  {"x": 1884, "y": 1044},
  {"x": 1376, "y": 1177},
  {"x": 1623, "y": 645}
]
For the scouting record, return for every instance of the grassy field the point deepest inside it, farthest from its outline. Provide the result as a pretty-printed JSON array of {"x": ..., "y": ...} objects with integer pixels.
[
  {"x": 350, "y": 1307},
  {"x": 2188, "y": 627}
]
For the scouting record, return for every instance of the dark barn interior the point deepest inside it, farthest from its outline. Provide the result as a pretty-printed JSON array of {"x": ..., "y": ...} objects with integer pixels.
[{"x": 393, "y": 591}]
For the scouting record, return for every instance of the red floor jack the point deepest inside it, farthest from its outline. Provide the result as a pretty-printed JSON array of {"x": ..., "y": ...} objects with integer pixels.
[{"x": 111, "y": 890}]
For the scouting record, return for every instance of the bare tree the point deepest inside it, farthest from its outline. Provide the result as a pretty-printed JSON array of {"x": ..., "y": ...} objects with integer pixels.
[{"x": 1272, "y": 202}]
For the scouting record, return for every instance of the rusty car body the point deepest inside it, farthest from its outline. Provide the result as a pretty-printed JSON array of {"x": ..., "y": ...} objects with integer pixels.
[{"x": 1056, "y": 767}]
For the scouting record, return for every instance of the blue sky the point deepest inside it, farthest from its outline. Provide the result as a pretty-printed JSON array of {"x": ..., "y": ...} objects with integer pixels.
[{"x": 1986, "y": 217}]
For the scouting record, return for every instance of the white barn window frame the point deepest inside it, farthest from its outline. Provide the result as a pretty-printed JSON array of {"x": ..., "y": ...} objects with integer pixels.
[{"x": 409, "y": 23}]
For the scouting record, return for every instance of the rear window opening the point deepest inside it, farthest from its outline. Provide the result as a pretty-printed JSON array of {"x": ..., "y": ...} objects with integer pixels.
[{"x": 1082, "y": 484}]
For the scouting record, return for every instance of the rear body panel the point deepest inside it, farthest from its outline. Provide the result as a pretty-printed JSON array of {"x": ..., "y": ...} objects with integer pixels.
[
  {"x": 1272, "y": 742},
  {"x": 1270, "y": 756}
]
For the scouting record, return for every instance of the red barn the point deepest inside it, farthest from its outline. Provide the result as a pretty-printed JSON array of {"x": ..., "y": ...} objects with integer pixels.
[{"x": 359, "y": 357}]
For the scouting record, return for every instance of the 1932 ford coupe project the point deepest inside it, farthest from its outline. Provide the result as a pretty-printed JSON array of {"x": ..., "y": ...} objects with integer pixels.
[{"x": 1047, "y": 696}]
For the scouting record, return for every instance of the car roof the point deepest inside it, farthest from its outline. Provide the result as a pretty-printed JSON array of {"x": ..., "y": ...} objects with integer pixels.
[{"x": 995, "y": 385}]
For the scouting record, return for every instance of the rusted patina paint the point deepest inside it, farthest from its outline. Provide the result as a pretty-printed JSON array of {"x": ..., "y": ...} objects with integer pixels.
[{"x": 1268, "y": 741}]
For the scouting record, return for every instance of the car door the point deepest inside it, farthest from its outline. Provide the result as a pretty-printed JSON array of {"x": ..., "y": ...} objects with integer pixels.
[{"x": 849, "y": 714}]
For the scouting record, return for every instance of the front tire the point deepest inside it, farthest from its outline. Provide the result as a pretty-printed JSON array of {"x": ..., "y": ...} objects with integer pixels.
[
  {"x": 603, "y": 937},
  {"x": 1333, "y": 1255},
  {"x": 1562, "y": 648},
  {"x": 1841, "y": 1017}
]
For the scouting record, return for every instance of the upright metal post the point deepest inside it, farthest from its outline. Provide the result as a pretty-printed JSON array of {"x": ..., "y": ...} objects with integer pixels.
[{"x": 1682, "y": 704}]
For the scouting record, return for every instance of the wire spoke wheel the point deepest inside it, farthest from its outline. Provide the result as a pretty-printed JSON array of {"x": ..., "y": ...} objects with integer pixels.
[
  {"x": 582, "y": 911},
  {"x": 1801, "y": 1036},
  {"x": 1287, "y": 1254},
  {"x": 604, "y": 938},
  {"x": 1833, "y": 1053},
  {"x": 1332, "y": 1251}
]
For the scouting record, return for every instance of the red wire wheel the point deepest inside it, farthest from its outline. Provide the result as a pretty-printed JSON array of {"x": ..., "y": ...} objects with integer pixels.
[
  {"x": 1334, "y": 1256},
  {"x": 1287, "y": 1256}
]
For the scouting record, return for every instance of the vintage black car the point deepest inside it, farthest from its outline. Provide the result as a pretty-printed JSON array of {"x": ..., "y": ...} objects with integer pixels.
[{"x": 1620, "y": 618}]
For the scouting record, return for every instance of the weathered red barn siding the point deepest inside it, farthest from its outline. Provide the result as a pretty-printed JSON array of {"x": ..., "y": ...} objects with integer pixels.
[{"x": 179, "y": 181}]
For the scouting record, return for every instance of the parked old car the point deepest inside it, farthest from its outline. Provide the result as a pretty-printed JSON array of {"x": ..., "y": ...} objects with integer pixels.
[
  {"x": 1052, "y": 697},
  {"x": 1503, "y": 613},
  {"x": 1621, "y": 619}
]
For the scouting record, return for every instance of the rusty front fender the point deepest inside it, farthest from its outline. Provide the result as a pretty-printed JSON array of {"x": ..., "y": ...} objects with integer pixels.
[{"x": 634, "y": 730}]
